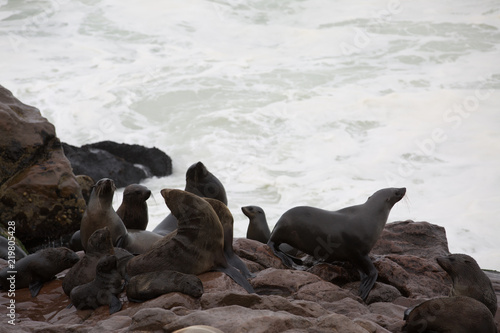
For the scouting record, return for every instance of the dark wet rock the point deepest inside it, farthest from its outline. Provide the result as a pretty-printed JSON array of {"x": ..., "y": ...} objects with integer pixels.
[{"x": 125, "y": 164}]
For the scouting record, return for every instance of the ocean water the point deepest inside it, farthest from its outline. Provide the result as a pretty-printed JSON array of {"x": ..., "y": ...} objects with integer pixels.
[{"x": 288, "y": 103}]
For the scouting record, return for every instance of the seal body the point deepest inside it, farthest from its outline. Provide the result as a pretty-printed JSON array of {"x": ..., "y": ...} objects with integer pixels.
[
  {"x": 100, "y": 213},
  {"x": 103, "y": 290},
  {"x": 138, "y": 241},
  {"x": 39, "y": 267},
  {"x": 450, "y": 315},
  {"x": 227, "y": 221},
  {"x": 344, "y": 235},
  {"x": 258, "y": 229},
  {"x": 201, "y": 182},
  {"x": 153, "y": 284},
  {"x": 196, "y": 247},
  {"x": 134, "y": 210},
  {"x": 98, "y": 246},
  {"x": 469, "y": 280}
]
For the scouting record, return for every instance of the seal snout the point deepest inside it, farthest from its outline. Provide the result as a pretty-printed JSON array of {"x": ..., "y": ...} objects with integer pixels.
[{"x": 401, "y": 192}]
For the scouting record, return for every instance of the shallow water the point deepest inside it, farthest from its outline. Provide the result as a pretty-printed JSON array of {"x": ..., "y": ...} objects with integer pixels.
[{"x": 288, "y": 102}]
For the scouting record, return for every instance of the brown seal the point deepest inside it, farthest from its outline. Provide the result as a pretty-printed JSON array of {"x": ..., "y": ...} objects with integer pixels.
[
  {"x": 197, "y": 246},
  {"x": 100, "y": 213},
  {"x": 201, "y": 182},
  {"x": 458, "y": 314},
  {"x": 469, "y": 280},
  {"x": 258, "y": 229},
  {"x": 134, "y": 210},
  {"x": 98, "y": 246},
  {"x": 103, "y": 290},
  {"x": 35, "y": 269},
  {"x": 153, "y": 284},
  {"x": 344, "y": 235},
  {"x": 227, "y": 221},
  {"x": 138, "y": 241}
]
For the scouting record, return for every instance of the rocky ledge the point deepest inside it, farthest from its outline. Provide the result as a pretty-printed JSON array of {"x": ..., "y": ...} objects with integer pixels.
[{"x": 320, "y": 299}]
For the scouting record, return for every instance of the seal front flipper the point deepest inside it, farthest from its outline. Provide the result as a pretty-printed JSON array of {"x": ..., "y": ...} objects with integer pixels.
[
  {"x": 287, "y": 261},
  {"x": 368, "y": 274},
  {"x": 35, "y": 287},
  {"x": 115, "y": 305},
  {"x": 234, "y": 274}
]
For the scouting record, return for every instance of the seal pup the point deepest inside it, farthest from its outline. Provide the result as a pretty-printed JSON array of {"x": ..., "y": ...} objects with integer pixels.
[
  {"x": 469, "y": 280},
  {"x": 100, "y": 213},
  {"x": 150, "y": 285},
  {"x": 134, "y": 210},
  {"x": 103, "y": 290},
  {"x": 227, "y": 221},
  {"x": 197, "y": 246},
  {"x": 201, "y": 182},
  {"x": 39, "y": 267},
  {"x": 98, "y": 245},
  {"x": 458, "y": 314},
  {"x": 258, "y": 229},
  {"x": 344, "y": 235}
]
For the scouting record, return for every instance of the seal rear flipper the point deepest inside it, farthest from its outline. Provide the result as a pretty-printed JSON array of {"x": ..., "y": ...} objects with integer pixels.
[
  {"x": 234, "y": 274},
  {"x": 237, "y": 263},
  {"x": 287, "y": 261},
  {"x": 35, "y": 287},
  {"x": 115, "y": 305}
]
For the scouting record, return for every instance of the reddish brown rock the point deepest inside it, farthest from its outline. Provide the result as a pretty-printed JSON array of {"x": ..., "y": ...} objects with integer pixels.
[
  {"x": 282, "y": 282},
  {"x": 39, "y": 191},
  {"x": 256, "y": 252}
]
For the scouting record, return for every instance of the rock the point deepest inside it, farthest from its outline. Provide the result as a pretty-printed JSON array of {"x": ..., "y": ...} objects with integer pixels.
[
  {"x": 282, "y": 282},
  {"x": 151, "y": 319},
  {"x": 125, "y": 164},
  {"x": 257, "y": 252},
  {"x": 39, "y": 191},
  {"x": 420, "y": 239}
]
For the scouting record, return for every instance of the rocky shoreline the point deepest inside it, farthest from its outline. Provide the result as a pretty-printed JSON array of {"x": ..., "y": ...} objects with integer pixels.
[{"x": 321, "y": 299}]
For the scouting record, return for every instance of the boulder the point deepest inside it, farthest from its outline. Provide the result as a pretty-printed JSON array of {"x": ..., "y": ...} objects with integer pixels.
[
  {"x": 124, "y": 163},
  {"x": 38, "y": 190}
]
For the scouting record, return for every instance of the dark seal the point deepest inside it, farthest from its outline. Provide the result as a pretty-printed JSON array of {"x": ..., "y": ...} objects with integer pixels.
[
  {"x": 258, "y": 229},
  {"x": 134, "y": 210},
  {"x": 344, "y": 235},
  {"x": 201, "y": 182},
  {"x": 449, "y": 315},
  {"x": 100, "y": 213},
  {"x": 197, "y": 245},
  {"x": 35, "y": 269},
  {"x": 103, "y": 290},
  {"x": 469, "y": 280},
  {"x": 150, "y": 285},
  {"x": 98, "y": 246},
  {"x": 227, "y": 221}
]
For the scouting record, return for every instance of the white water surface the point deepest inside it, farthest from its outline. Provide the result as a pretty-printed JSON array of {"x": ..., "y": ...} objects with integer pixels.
[{"x": 288, "y": 103}]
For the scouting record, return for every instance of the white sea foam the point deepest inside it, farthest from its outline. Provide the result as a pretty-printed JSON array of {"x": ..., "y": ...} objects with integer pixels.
[{"x": 288, "y": 102}]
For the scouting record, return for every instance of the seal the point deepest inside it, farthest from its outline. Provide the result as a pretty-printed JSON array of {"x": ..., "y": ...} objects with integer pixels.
[
  {"x": 197, "y": 246},
  {"x": 227, "y": 221},
  {"x": 37, "y": 268},
  {"x": 103, "y": 290},
  {"x": 150, "y": 285},
  {"x": 201, "y": 182},
  {"x": 98, "y": 246},
  {"x": 134, "y": 210},
  {"x": 469, "y": 280},
  {"x": 100, "y": 213},
  {"x": 75, "y": 243},
  {"x": 458, "y": 314},
  {"x": 257, "y": 228},
  {"x": 138, "y": 241},
  {"x": 344, "y": 235}
]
